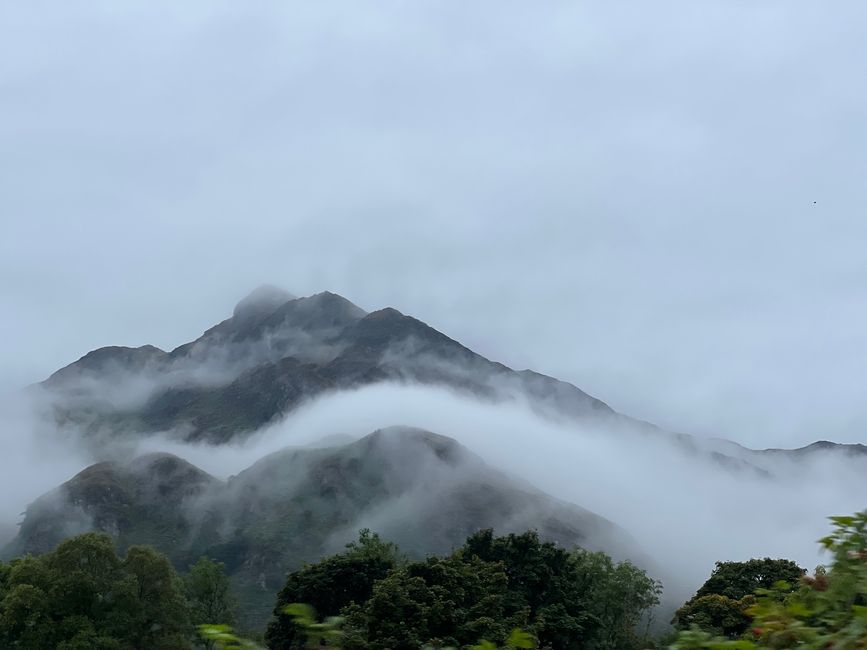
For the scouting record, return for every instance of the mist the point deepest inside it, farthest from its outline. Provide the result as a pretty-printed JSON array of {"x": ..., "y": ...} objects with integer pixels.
[
  {"x": 685, "y": 511},
  {"x": 683, "y": 508},
  {"x": 660, "y": 203},
  {"x": 35, "y": 458}
]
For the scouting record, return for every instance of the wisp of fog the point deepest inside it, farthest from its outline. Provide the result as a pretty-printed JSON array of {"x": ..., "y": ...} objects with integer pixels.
[
  {"x": 685, "y": 510},
  {"x": 684, "y": 507}
]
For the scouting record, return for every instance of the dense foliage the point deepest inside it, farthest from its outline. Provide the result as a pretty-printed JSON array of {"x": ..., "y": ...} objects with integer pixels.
[
  {"x": 721, "y": 604},
  {"x": 515, "y": 591},
  {"x": 330, "y": 585},
  {"x": 826, "y": 611},
  {"x": 484, "y": 590},
  {"x": 83, "y": 596}
]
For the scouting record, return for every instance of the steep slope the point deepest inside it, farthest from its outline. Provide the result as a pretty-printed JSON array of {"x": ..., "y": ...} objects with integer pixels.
[
  {"x": 140, "y": 502},
  {"x": 277, "y": 352},
  {"x": 422, "y": 490},
  {"x": 269, "y": 357},
  {"x": 103, "y": 362}
]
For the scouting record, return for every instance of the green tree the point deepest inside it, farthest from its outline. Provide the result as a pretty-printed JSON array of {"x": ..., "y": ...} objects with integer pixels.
[
  {"x": 720, "y": 606},
  {"x": 159, "y": 613},
  {"x": 823, "y": 611},
  {"x": 716, "y": 614},
  {"x": 330, "y": 585},
  {"x": 25, "y": 619},
  {"x": 452, "y": 601},
  {"x": 207, "y": 589},
  {"x": 82, "y": 595},
  {"x": 484, "y": 590},
  {"x": 738, "y": 579},
  {"x": 570, "y": 599},
  {"x": 621, "y": 598}
]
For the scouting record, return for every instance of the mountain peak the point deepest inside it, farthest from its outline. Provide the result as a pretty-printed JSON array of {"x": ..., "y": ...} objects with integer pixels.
[
  {"x": 106, "y": 360},
  {"x": 262, "y": 300}
]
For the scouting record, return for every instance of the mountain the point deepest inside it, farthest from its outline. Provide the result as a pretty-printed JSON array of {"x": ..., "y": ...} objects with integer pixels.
[
  {"x": 270, "y": 356},
  {"x": 422, "y": 490},
  {"x": 277, "y": 352}
]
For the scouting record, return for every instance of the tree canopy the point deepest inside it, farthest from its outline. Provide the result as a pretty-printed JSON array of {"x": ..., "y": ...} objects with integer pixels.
[
  {"x": 721, "y": 604},
  {"x": 331, "y": 584},
  {"x": 818, "y": 612},
  {"x": 484, "y": 590},
  {"x": 84, "y": 596}
]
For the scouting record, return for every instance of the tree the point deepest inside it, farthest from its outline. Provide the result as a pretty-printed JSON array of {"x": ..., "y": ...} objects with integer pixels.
[
  {"x": 738, "y": 579},
  {"x": 82, "y": 595},
  {"x": 716, "y": 614},
  {"x": 621, "y": 597},
  {"x": 160, "y": 617},
  {"x": 572, "y": 599},
  {"x": 484, "y": 590},
  {"x": 330, "y": 585},
  {"x": 720, "y": 606},
  {"x": 208, "y": 594},
  {"x": 826, "y": 610},
  {"x": 452, "y": 601}
]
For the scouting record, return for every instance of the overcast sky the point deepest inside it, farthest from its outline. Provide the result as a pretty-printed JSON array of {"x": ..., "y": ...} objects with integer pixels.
[{"x": 661, "y": 202}]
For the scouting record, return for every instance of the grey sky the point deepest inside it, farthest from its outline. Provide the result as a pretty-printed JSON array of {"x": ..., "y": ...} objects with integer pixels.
[{"x": 662, "y": 202}]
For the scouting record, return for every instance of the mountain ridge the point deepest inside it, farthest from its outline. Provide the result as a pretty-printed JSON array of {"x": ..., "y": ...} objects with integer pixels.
[
  {"x": 335, "y": 345},
  {"x": 270, "y": 357},
  {"x": 422, "y": 490}
]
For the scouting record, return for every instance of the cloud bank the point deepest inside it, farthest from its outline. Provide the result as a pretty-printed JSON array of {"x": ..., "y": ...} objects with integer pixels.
[{"x": 686, "y": 511}]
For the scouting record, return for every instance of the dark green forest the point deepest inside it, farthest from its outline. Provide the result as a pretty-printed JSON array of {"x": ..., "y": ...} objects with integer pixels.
[{"x": 508, "y": 591}]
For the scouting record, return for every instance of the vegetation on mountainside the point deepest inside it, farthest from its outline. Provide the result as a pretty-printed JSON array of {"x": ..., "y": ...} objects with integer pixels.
[{"x": 426, "y": 492}]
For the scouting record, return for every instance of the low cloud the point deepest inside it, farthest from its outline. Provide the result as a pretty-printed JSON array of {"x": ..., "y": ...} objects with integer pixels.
[
  {"x": 686, "y": 510},
  {"x": 36, "y": 457}
]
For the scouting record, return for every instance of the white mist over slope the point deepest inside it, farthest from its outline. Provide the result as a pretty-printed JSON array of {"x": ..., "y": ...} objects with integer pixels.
[
  {"x": 685, "y": 510},
  {"x": 33, "y": 459}
]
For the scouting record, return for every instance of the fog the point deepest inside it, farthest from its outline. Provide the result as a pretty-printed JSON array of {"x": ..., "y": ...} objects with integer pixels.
[
  {"x": 34, "y": 458},
  {"x": 685, "y": 512},
  {"x": 684, "y": 509},
  {"x": 661, "y": 203}
]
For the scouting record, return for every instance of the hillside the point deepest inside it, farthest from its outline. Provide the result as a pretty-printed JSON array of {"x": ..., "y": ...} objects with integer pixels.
[
  {"x": 277, "y": 352},
  {"x": 269, "y": 358},
  {"x": 424, "y": 491}
]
